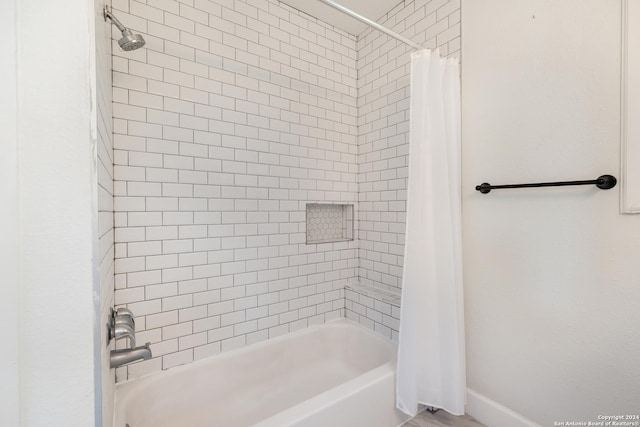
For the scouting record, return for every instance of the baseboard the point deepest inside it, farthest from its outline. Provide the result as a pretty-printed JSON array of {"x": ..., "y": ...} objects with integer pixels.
[{"x": 493, "y": 414}]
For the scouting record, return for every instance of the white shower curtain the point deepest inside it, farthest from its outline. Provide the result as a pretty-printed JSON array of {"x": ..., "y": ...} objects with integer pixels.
[{"x": 431, "y": 354}]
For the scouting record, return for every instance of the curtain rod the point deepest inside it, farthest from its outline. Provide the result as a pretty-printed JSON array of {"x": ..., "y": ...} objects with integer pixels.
[{"x": 372, "y": 24}]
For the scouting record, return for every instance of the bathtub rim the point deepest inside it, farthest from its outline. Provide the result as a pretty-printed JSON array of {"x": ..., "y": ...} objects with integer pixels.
[{"x": 334, "y": 323}]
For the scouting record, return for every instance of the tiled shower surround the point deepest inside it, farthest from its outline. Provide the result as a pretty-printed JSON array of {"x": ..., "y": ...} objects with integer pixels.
[
  {"x": 234, "y": 116},
  {"x": 383, "y": 130}
]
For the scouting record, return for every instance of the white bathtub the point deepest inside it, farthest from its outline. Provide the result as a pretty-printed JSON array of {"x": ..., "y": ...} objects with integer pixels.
[{"x": 338, "y": 375}]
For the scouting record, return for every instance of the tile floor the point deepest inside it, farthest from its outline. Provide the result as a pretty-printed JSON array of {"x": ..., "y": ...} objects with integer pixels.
[{"x": 442, "y": 419}]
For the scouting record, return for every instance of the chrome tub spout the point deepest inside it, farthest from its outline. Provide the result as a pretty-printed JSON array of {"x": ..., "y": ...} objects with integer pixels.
[{"x": 128, "y": 355}]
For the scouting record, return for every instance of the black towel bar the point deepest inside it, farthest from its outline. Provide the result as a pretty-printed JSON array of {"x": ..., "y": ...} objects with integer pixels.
[{"x": 604, "y": 182}]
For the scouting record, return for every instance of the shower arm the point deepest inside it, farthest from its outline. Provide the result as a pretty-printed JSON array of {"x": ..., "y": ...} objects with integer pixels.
[
  {"x": 108, "y": 15},
  {"x": 373, "y": 24}
]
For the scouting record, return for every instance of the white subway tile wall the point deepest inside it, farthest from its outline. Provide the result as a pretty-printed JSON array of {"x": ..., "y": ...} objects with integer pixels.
[
  {"x": 105, "y": 202},
  {"x": 233, "y": 117},
  {"x": 383, "y": 130}
]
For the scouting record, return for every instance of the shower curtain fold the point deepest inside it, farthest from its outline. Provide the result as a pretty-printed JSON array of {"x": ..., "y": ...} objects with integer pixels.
[{"x": 431, "y": 353}]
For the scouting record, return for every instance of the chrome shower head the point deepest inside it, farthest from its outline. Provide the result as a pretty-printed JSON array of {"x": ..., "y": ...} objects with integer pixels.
[{"x": 129, "y": 41}]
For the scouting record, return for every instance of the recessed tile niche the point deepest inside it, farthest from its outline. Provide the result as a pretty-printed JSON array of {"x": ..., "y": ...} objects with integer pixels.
[{"x": 329, "y": 223}]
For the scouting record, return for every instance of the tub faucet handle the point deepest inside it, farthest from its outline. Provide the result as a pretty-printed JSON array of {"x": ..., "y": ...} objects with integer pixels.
[
  {"x": 123, "y": 330},
  {"x": 122, "y": 325},
  {"x": 124, "y": 315},
  {"x": 121, "y": 311}
]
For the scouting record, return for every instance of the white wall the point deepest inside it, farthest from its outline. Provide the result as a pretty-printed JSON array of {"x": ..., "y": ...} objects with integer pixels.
[
  {"x": 9, "y": 313},
  {"x": 232, "y": 117},
  {"x": 58, "y": 207},
  {"x": 551, "y": 275}
]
